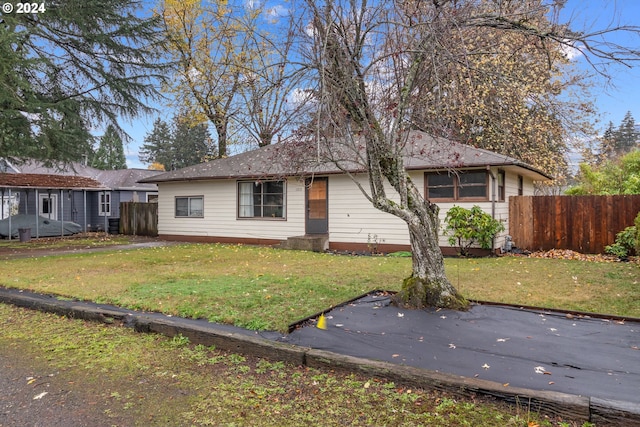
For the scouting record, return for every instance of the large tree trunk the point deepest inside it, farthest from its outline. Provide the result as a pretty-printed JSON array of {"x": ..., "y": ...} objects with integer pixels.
[
  {"x": 428, "y": 285},
  {"x": 221, "y": 123},
  {"x": 222, "y": 138},
  {"x": 383, "y": 142}
]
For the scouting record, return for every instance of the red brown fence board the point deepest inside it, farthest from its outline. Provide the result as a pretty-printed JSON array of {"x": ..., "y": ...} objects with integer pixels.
[{"x": 581, "y": 223}]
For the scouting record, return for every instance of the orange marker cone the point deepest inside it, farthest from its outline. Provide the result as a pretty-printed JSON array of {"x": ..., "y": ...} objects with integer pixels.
[{"x": 322, "y": 322}]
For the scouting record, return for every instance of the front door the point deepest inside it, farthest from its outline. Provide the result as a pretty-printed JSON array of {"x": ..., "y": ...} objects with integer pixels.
[{"x": 317, "y": 206}]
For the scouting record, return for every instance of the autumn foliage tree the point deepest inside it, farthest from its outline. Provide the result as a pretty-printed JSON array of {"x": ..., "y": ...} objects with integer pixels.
[
  {"x": 234, "y": 68},
  {"x": 209, "y": 42},
  {"x": 499, "y": 89},
  {"x": 478, "y": 71},
  {"x": 272, "y": 103}
]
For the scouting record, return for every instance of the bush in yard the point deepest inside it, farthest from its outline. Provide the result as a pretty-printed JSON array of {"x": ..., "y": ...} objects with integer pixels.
[
  {"x": 467, "y": 227},
  {"x": 626, "y": 243}
]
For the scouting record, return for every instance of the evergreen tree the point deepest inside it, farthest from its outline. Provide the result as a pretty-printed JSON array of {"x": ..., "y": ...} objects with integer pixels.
[
  {"x": 608, "y": 144},
  {"x": 110, "y": 153},
  {"x": 158, "y": 146},
  {"x": 191, "y": 144},
  {"x": 627, "y": 136},
  {"x": 177, "y": 145},
  {"x": 73, "y": 66}
]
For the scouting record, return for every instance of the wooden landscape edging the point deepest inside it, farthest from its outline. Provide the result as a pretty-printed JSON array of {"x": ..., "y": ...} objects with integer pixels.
[{"x": 578, "y": 408}]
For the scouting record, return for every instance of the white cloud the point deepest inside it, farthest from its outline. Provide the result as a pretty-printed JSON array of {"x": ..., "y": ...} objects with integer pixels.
[
  {"x": 277, "y": 11},
  {"x": 252, "y": 4},
  {"x": 300, "y": 96},
  {"x": 570, "y": 50}
]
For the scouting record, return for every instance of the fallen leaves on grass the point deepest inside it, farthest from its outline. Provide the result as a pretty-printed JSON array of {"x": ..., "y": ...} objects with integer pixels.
[{"x": 569, "y": 254}]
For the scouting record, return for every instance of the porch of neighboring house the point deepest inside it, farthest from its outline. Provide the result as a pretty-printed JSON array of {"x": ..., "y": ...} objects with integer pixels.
[{"x": 54, "y": 197}]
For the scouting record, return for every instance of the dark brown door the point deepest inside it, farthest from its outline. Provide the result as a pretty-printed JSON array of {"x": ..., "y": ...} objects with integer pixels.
[{"x": 317, "y": 206}]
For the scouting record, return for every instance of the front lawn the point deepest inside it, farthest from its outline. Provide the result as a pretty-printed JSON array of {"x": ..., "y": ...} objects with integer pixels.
[{"x": 266, "y": 288}]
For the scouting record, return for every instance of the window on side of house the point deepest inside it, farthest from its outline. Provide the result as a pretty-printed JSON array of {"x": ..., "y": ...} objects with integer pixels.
[
  {"x": 464, "y": 185},
  {"x": 104, "y": 208},
  {"x": 520, "y": 185},
  {"x": 501, "y": 186},
  {"x": 190, "y": 207},
  {"x": 261, "y": 199}
]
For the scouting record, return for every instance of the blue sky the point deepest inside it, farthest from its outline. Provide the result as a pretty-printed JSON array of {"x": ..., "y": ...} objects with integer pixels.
[
  {"x": 612, "y": 98},
  {"x": 623, "y": 93}
]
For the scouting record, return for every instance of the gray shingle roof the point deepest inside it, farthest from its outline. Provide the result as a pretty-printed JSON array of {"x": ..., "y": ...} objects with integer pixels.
[{"x": 421, "y": 152}]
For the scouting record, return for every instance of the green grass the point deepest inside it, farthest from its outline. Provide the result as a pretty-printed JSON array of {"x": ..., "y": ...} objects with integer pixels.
[
  {"x": 266, "y": 288},
  {"x": 598, "y": 287},
  {"x": 150, "y": 380}
]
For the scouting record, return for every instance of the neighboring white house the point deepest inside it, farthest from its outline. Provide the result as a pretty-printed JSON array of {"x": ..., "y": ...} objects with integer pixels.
[{"x": 268, "y": 195}]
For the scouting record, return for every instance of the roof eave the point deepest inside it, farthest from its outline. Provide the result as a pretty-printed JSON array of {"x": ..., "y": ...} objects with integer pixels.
[{"x": 521, "y": 165}]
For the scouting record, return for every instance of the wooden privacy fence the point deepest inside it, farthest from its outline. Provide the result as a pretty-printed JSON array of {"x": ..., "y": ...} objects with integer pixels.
[
  {"x": 139, "y": 219},
  {"x": 581, "y": 223}
]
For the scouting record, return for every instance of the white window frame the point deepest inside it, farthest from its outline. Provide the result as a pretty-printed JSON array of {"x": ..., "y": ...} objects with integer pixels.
[
  {"x": 52, "y": 204},
  {"x": 104, "y": 204},
  {"x": 191, "y": 211},
  {"x": 246, "y": 208}
]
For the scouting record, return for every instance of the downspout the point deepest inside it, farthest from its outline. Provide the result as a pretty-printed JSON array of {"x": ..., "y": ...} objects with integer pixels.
[
  {"x": 49, "y": 203},
  {"x": 61, "y": 213},
  {"x": 9, "y": 214},
  {"x": 84, "y": 205},
  {"x": 37, "y": 214},
  {"x": 493, "y": 203},
  {"x": 104, "y": 211}
]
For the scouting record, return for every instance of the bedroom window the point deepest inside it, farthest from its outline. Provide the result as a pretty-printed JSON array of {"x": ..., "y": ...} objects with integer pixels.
[
  {"x": 261, "y": 199},
  {"x": 192, "y": 206},
  {"x": 464, "y": 185}
]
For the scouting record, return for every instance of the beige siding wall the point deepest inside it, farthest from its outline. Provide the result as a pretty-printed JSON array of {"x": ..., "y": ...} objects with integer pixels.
[
  {"x": 220, "y": 212},
  {"x": 352, "y": 218}
]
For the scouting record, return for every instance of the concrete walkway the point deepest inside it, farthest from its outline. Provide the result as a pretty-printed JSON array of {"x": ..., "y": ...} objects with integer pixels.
[{"x": 138, "y": 243}]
